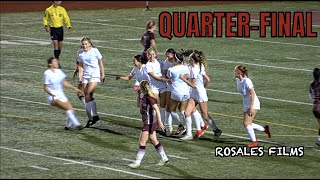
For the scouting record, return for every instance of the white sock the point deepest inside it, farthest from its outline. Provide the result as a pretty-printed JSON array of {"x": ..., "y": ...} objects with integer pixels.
[
  {"x": 250, "y": 132},
  {"x": 213, "y": 124},
  {"x": 161, "y": 152},
  {"x": 88, "y": 110},
  {"x": 68, "y": 123},
  {"x": 257, "y": 127},
  {"x": 72, "y": 118},
  {"x": 189, "y": 125},
  {"x": 197, "y": 120},
  {"x": 163, "y": 115},
  {"x": 175, "y": 117},
  {"x": 83, "y": 99},
  {"x": 140, "y": 154},
  {"x": 93, "y": 107},
  {"x": 169, "y": 119},
  {"x": 182, "y": 114}
]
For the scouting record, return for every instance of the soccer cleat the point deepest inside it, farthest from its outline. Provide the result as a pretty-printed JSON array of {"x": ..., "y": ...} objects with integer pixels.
[
  {"x": 318, "y": 141},
  {"x": 66, "y": 128},
  {"x": 253, "y": 144},
  {"x": 169, "y": 131},
  {"x": 198, "y": 133},
  {"x": 95, "y": 119},
  {"x": 205, "y": 127},
  {"x": 89, "y": 123},
  {"x": 181, "y": 129},
  {"x": 163, "y": 162},
  {"x": 186, "y": 137},
  {"x": 134, "y": 165},
  {"x": 79, "y": 127},
  {"x": 266, "y": 130},
  {"x": 216, "y": 135}
]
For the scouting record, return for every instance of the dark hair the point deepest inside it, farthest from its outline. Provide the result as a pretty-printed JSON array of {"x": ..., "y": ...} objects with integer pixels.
[
  {"x": 170, "y": 50},
  {"x": 138, "y": 57},
  {"x": 196, "y": 56},
  {"x": 178, "y": 57},
  {"x": 243, "y": 69},
  {"x": 316, "y": 77},
  {"x": 85, "y": 38},
  {"x": 49, "y": 60},
  {"x": 150, "y": 23}
]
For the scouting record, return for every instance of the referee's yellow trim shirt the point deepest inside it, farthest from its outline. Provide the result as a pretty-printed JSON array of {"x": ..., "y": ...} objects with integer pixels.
[{"x": 54, "y": 17}]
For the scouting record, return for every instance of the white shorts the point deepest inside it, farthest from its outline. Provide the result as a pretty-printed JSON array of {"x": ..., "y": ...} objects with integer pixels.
[
  {"x": 246, "y": 106},
  {"x": 179, "y": 97},
  {"x": 199, "y": 97},
  {"x": 89, "y": 80},
  {"x": 60, "y": 96},
  {"x": 169, "y": 88},
  {"x": 156, "y": 90}
]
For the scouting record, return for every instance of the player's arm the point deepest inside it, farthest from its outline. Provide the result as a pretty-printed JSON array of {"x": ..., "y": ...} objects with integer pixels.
[
  {"x": 191, "y": 84},
  {"x": 68, "y": 85},
  {"x": 46, "y": 89},
  {"x": 152, "y": 74},
  {"x": 251, "y": 92},
  {"x": 45, "y": 21},
  {"x": 101, "y": 64},
  {"x": 80, "y": 68},
  {"x": 156, "y": 108},
  {"x": 66, "y": 19},
  {"x": 206, "y": 80}
]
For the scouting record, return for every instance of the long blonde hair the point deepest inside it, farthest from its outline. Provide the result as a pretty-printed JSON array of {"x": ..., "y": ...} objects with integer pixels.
[{"x": 145, "y": 87}]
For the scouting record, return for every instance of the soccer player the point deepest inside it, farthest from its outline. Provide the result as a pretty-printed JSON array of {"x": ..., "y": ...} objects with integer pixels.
[
  {"x": 91, "y": 72},
  {"x": 314, "y": 90},
  {"x": 54, "y": 80},
  {"x": 150, "y": 124},
  {"x": 180, "y": 92},
  {"x": 198, "y": 93},
  {"x": 53, "y": 20},
  {"x": 148, "y": 40},
  {"x": 137, "y": 73},
  {"x": 251, "y": 104}
]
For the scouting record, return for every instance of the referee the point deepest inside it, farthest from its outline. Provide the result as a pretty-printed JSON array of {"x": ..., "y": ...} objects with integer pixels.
[{"x": 53, "y": 23}]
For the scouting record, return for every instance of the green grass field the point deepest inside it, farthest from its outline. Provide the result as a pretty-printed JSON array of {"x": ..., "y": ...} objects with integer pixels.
[{"x": 34, "y": 143}]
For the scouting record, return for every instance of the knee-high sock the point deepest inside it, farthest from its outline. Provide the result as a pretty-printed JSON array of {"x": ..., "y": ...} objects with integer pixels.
[
  {"x": 251, "y": 133},
  {"x": 88, "y": 110},
  {"x": 197, "y": 120},
  {"x": 169, "y": 119},
  {"x": 57, "y": 53},
  {"x": 213, "y": 124},
  {"x": 72, "y": 118},
  {"x": 182, "y": 114},
  {"x": 161, "y": 152},
  {"x": 68, "y": 123},
  {"x": 175, "y": 117},
  {"x": 82, "y": 99},
  {"x": 93, "y": 108},
  {"x": 257, "y": 127},
  {"x": 188, "y": 121},
  {"x": 197, "y": 115},
  {"x": 140, "y": 154},
  {"x": 163, "y": 115}
]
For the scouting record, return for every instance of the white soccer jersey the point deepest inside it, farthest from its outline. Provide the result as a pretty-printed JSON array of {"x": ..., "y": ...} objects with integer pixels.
[
  {"x": 137, "y": 73},
  {"x": 54, "y": 80},
  {"x": 199, "y": 93},
  {"x": 179, "y": 87},
  {"x": 156, "y": 68},
  {"x": 90, "y": 60},
  {"x": 243, "y": 88}
]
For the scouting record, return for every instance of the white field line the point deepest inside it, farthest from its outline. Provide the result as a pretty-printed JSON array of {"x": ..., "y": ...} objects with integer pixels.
[
  {"x": 78, "y": 162},
  {"x": 226, "y": 61},
  {"x": 261, "y": 65},
  {"x": 292, "y": 58},
  {"x": 247, "y": 39},
  {"x": 81, "y": 161},
  {"x": 130, "y": 160},
  {"x": 178, "y": 157},
  {"x": 32, "y": 72},
  {"x": 262, "y": 97},
  {"x": 126, "y": 117},
  {"x": 42, "y": 168},
  {"x": 130, "y": 19}
]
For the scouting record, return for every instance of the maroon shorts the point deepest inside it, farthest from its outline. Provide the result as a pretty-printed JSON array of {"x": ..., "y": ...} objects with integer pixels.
[
  {"x": 316, "y": 110},
  {"x": 150, "y": 127}
]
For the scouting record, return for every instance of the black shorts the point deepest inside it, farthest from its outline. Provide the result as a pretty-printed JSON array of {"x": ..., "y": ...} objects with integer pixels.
[
  {"x": 316, "y": 110},
  {"x": 56, "y": 33}
]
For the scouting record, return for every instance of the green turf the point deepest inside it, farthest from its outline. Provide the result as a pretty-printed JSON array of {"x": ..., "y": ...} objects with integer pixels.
[{"x": 32, "y": 133}]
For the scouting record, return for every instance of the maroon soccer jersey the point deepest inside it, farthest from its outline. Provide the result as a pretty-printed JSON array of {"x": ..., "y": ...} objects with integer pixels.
[
  {"x": 146, "y": 38},
  {"x": 146, "y": 109}
]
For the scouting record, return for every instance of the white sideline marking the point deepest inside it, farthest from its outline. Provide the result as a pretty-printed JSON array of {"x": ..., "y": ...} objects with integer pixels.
[
  {"x": 108, "y": 24},
  {"x": 256, "y": 59},
  {"x": 35, "y": 42},
  {"x": 11, "y": 43},
  {"x": 78, "y": 162},
  {"x": 103, "y": 20},
  {"x": 178, "y": 157},
  {"x": 130, "y": 160},
  {"x": 81, "y": 161},
  {"x": 130, "y": 19},
  {"x": 276, "y": 67},
  {"x": 226, "y": 61},
  {"x": 292, "y": 58},
  {"x": 126, "y": 117},
  {"x": 262, "y": 97},
  {"x": 132, "y": 39},
  {"x": 42, "y": 168},
  {"x": 32, "y": 72}
]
